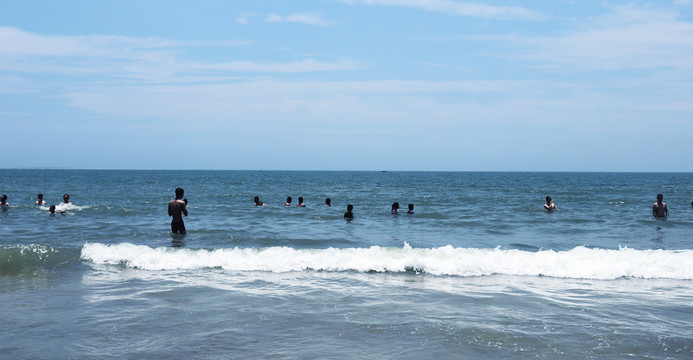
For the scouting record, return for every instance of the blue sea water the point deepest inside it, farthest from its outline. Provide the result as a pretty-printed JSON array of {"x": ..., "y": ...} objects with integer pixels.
[{"x": 480, "y": 270}]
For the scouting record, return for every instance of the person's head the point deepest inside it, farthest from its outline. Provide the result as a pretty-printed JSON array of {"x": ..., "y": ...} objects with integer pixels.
[
  {"x": 40, "y": 196},
  {"x": 411, "y": 206},
  {"x": 179, "y": 193},
  {"x": 328, "y": 201},
  {"x": 350, "y": 207},
  {"x": 289, "y": 199},
  {"x": 300, "y": 199},
  {"x": 256, "y": 200},
  {"x": 52, "y": 209},
  {"x": 66, "y": 198},
  {"x": 660, "y": 197},
  {"x": 548, "y": 199},
  {"x": 395, "y": 206},
  {"x": 3, "y": 198}
]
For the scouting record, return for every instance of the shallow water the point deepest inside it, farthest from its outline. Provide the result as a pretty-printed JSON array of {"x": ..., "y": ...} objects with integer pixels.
[{"x": 479, "y": 271}]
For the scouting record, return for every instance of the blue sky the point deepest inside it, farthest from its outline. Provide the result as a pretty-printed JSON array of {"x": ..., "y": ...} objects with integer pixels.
[{"x": 347, "y": 85}]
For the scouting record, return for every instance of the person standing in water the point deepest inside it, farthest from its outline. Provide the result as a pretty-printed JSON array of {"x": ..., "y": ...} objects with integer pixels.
[
  {"x": 328, "y": 202},
  {"x": 300, "y": 202},
  {"x": 40, "y": 200},
  {"x": 66, "y": 200},
  {"x": 659, "y": 209},
  {"x": 395, "y": 208},
  {"x": 3, "y": 201},
  {"x": 549, "y": 204},
  {"x": 411, "y": 209},
  {"x": 288, "y": 201},
  {"x": 348, "y": 215},
  {"x": 176, "y": 207}
]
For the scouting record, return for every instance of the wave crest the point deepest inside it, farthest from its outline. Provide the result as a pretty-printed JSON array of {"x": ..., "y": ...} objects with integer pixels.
[{"x": 580, "y": 262}]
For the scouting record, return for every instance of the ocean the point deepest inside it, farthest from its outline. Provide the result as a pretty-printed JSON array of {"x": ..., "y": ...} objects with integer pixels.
[{"x": 479, "y": 271}]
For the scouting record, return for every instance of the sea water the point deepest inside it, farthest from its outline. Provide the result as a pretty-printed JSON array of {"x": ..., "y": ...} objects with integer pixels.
[{"x": 479, "y": 270}]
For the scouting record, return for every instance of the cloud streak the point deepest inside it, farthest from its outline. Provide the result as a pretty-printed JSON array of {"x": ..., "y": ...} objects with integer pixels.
[
  {"x": 627, "y": 38},
  {"x": 459, "y": 9},
  {"x": 16, "y": 42},
  {"x": 146, "y": 58},
  {"x": 303, "y": 18}
]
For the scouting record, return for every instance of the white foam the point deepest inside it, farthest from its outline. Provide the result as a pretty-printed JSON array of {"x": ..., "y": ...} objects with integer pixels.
[
  {"x": 580, "y": 262},
  {"x": 68, "y": 207}
]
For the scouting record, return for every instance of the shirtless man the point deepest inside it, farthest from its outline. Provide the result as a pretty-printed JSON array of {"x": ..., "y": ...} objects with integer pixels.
[
  {"x": 175, "y": 208},
  {"x": 659, "y": 209},
  {"x": 40, "y": 200},
  {"x": 288, "y": 201},
  {"x": 66, "y": 200},
  {"x": 549, "y": 204},
  {"x": 300, "y": 202}
]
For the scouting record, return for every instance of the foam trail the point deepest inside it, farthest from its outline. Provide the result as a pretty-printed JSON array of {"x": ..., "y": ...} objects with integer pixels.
[
  {"x": 68, "y": 207},
  {"x": 580, "y": 262}
]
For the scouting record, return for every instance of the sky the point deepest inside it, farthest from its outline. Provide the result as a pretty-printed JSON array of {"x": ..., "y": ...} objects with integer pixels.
[{"x": 424, "y": 85}]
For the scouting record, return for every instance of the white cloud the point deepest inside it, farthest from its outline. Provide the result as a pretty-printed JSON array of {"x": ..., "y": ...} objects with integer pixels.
[
  {"x": 144, "y": 58},
  {"x": 626, "y": 38},
  {"x": 304, "y": 18},
  {"x": 302, "y": 66},
  {"x": 459, "y": 9},
  {"x": 16, "y": 42}
]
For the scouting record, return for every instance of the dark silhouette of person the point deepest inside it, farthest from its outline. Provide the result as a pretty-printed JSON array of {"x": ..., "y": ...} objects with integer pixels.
[
  {"x": 549, "y": 204},
  {"x": 176, "y": 207},
  {"x": 348, "y": 214},
  {"x": 659, "y": 209}
]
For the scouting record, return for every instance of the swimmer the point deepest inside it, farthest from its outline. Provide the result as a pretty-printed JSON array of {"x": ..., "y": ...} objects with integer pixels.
[
  {"x": 300, "y": 202},
  {"x": 549, "y": 204},
  {"x": 328, "y": 202},
  {"x": 288, "y": 201},
  {"x": 348, "y": 214},
  {"x": 258, "y": 202},
  {"x": 411, "y": 209},
  {"x": 395, "y": 208},
  {"x": 40, "y": 200},
  {"x": 66, "y": 200},
  {"x": 659, "y": 209},
  {"x": 3, "y": 201},
  {"x": 52, "y": 211},
  {"x": 176, "y": 207}
]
